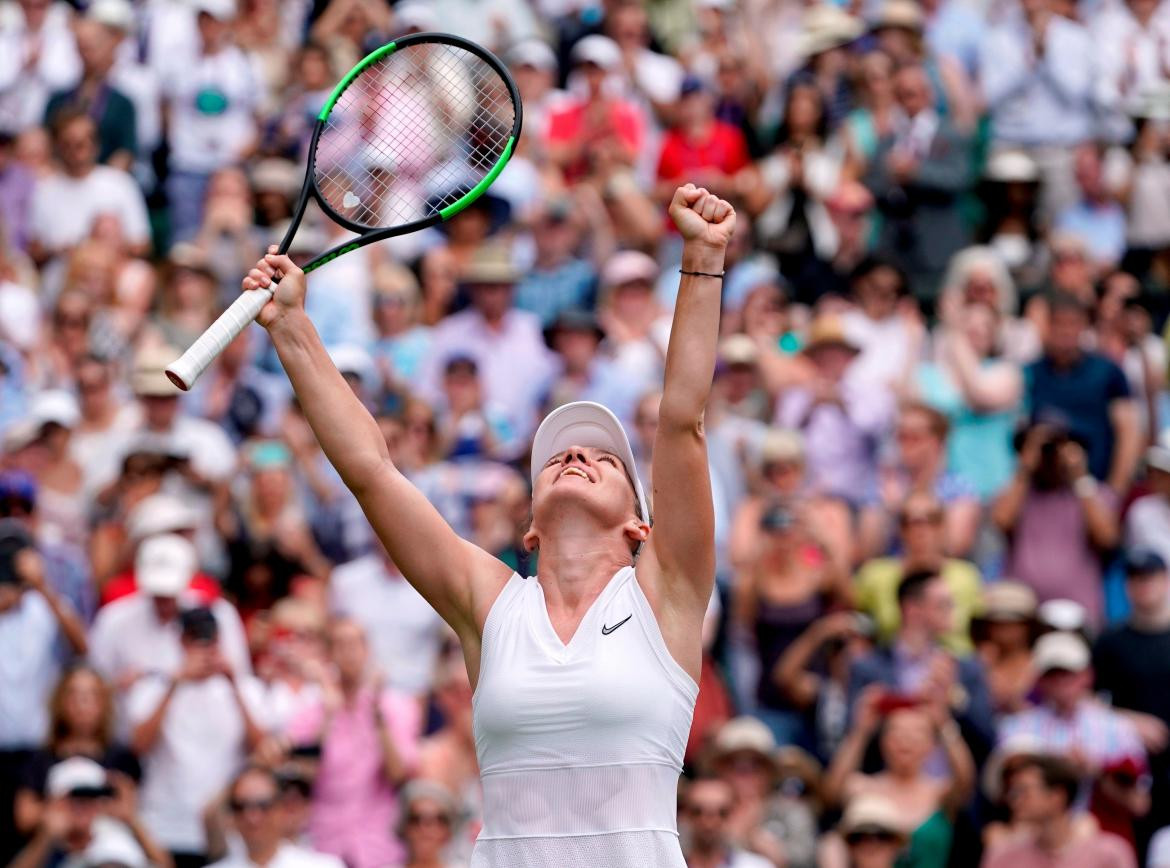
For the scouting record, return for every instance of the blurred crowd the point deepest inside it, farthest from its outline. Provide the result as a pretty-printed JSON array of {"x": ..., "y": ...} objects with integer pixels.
[{"x": 941, "y": 632}]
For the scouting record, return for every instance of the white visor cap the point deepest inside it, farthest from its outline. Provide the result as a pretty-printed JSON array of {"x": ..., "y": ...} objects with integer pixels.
[{"x": 586, "y": 423}]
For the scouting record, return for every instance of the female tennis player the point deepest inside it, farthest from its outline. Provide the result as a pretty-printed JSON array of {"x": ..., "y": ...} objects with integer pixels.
[{"x": 586, "y": 674}]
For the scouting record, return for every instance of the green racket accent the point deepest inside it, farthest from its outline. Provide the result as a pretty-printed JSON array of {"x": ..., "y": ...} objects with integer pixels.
[
  {"x": 477, "y": 191},
  {"x": 372, "y": 57},
  {"x": 329, "y": 257}
]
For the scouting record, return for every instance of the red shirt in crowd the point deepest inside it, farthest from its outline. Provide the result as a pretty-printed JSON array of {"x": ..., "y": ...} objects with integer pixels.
[
  {"x": 724, "y": 149},
  {"x": 579, "y": 123},
  {"x": 124, "y": 584}
]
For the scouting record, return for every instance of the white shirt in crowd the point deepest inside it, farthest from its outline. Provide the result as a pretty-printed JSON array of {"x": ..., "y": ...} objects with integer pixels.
[
  {"x": 287, "y": 856},
  {"x": 405, "y": 633},
  {"x": 127, "y": 638},
  {"x": 1147, "y": 524},
  {"x": 1122, "y": 84},
  {"x": 28, "y": 671},
  {"x": 201, "y": 745},
  {"x": 212, "y": 100},
  {"x": 64, "y": 209},
  {"x": 24, "y": 91},
  {"x": 1039, "y": 100}
]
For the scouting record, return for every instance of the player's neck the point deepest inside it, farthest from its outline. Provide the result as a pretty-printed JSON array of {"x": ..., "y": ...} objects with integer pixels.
[{"x": 575, "y": 566}]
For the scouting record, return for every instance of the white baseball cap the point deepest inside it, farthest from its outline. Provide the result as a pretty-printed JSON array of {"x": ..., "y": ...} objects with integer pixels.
[
  {"x": 57, "y": 406},
  {"x": 160, "y": 513},
  {"x": 74, "y": 774},
  {"x": 1066, "y": 651},
  {"x": 586, "y": 423},
  {"x": 165, "y": 565},
  {"x": 223, "y": 10},
  {"x": 118, "y": 14},
  {"x": 535, "y": 53},
  {"x": 599, "y": 50}
]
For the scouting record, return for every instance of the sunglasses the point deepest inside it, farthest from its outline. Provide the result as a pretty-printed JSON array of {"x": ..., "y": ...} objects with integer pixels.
[
  {"x": 881, "y": 837},
  {"x": 922, "y": 518},
  {"x": 241, "y": 806},
  {"x": 720, "y": 811},
  {"x": 433, "y": 818}
]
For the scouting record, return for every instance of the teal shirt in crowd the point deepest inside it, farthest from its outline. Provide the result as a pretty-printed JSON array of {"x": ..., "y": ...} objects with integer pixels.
[{"x": 980, "y": 444}]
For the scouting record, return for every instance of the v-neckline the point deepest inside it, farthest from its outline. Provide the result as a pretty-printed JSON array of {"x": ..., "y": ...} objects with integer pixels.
[{"x": 558, "y": 645}]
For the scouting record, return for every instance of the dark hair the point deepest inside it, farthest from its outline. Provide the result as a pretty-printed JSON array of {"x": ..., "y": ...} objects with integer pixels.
[
  {"x": 876, "y": 262},
  {"x": 63, "y": 118},
  {"x": 807, "y": 82},
  {"x": 1059, "y": 302},
  {"x": 913, "y": 585},
  {"x": 1056, "y": 772}
]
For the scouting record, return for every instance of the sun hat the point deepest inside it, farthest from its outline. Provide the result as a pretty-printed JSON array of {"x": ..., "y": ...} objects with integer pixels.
[
  {"x": 586, "y": 423},
  {"x": 869, "y": 813}
]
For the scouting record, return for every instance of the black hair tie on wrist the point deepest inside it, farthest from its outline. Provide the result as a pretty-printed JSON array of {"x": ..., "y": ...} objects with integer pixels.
[{"x": 718, "y": 276}]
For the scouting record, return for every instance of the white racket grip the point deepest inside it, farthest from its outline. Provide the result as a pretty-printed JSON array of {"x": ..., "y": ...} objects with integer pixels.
[{"x": 185, "y": 370}]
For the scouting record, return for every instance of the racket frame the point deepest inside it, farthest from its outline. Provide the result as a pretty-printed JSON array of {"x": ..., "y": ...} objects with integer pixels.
[
  {"x": 367, "y": 234},
  {"x": 184, "y": 371}
]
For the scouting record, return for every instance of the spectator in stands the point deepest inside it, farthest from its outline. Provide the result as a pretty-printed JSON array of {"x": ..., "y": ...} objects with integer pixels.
[
  {"x": 1130, "y": 657},
  {"x": 1096, "y": 218},
  {"x": 842, "y": 421},
  {"x": 1003, "y": 633},
  {"x": 1057, "y": 518},
  {"x": 1043, "y": 794},
  {"x": 1039, "y": 94},
  {"x": 884, "y": 321},
  {"x": 596, "y": 135},
  {"x": 254, "y": 801},
  {"x": 141, "y": 635},
  {"x": 97, "y": 96},
  {"x": 33, "y": 621},
  {"x": 40, "y": 57},
  {"x": 66, "y": 204},
  {"x": 920, "y": 465},
  {"x": 447, "y": 755},
  {"x": 429, "y": 816},
  {"x": 706, "y": 807},
  {"x": 914, "y": 663},
  {"x": 922, "y": 536},
  {"x": 1090, "y": 392},
  {"x": 787, "y": 585},
  {"x": 919, "y": 169},
  {"x": 1147, "y": 523},
  {"x": 743, "y": 756},
  {"x": 560, "y": 279},
  {"x": 192, "y": 729},
  {"x": 81, "y": 724},
  {"x": 785, "y": 191},
  {"x": 911, "y": 729},
  {"x": 699, "y": 147},
  {"x": 978, "y": 391},
  {"x": 505, "y": 343},
  {"x": 404, "y": 632},
  {"x": 815, "y": 670},
  {"x": 91, "y": 820},
  {"x": 873, "y": 832},
  {"x": 1068, "y": 720},
  {"x": 212, "y": 96},
  {"x": 368, "y": 740}
]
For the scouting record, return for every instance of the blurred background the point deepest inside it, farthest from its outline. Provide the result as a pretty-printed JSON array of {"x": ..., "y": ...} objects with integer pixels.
[{"x": 937, "y": 442}]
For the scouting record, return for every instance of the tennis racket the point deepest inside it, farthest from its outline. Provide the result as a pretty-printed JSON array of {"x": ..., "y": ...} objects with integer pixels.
[{"x": 411, "y": 136}]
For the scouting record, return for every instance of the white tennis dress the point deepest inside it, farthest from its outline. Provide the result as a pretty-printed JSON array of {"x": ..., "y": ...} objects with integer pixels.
[{"x": 580, "y": 746}]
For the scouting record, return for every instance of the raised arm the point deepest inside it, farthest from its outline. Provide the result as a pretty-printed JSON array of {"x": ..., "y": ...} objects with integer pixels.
[
  {"x": 456, "y": 577},
  {"x": 682, "y": 544}
]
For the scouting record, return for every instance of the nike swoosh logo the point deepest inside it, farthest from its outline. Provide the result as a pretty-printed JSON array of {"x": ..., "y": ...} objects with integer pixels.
[{"x": 605, "y": 631}]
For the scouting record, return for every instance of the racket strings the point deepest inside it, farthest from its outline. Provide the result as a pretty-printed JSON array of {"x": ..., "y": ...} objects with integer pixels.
[{"x": 411, "y": 134}]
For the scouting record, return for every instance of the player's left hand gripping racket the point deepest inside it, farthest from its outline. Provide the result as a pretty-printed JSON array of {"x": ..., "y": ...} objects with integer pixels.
[{"x": 429, "y": 113}]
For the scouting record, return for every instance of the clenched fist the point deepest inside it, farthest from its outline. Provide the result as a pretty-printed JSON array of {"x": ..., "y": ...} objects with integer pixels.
[{"x": 702, "y": 217}]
